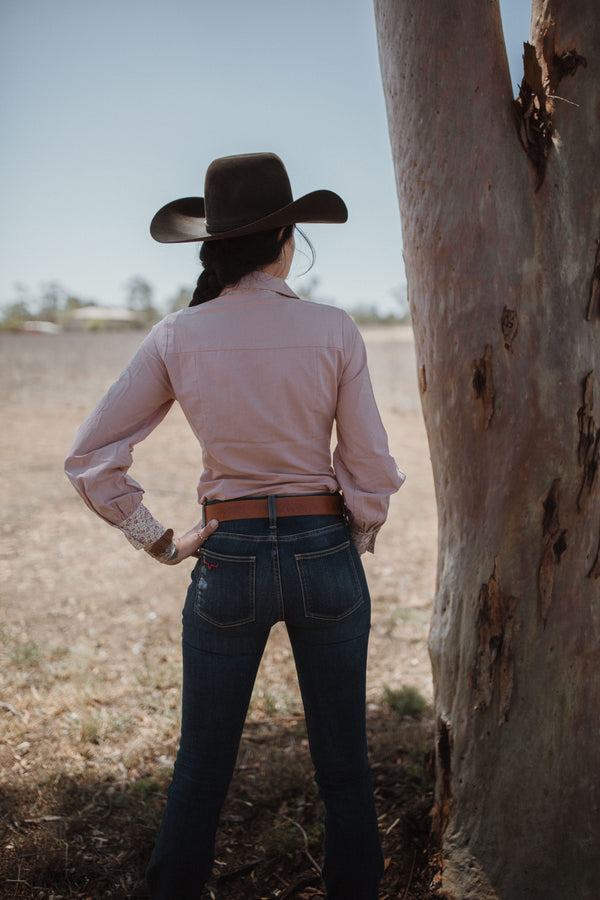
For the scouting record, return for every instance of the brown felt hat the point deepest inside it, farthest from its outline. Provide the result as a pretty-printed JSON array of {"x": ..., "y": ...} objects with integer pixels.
[{"x": 243, "y": 195}]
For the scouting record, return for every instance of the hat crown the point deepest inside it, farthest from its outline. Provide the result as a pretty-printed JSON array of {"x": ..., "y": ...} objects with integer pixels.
[
  {"x": 239, "y": 190},
  {"x": 243, "y": 195}
]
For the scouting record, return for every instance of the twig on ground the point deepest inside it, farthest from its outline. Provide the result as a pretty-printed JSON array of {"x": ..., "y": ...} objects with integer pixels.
[
  {"x": 40, "y": 819},
  {"x": 15, "y": 712},
  {"x": 305, "y": 836},
  {"x": 392, "y": 826}
]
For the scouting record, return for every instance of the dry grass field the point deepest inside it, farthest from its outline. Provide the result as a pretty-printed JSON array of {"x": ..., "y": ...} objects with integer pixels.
[{"x": 89, "y": 654}]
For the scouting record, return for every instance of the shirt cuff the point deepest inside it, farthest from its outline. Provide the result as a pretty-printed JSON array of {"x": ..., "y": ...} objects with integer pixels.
[
  {"x": 363, "y": 540},
  {"x": 141, "y": 528}
]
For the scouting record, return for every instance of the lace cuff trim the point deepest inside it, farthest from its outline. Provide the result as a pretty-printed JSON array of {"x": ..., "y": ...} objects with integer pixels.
[
  {"x": 141, "y": 528},
  {"x": 363, "y": 540}
]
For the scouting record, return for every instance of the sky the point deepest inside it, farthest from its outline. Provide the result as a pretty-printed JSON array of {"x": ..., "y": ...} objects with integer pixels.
[{"x": 110, "y": 110}]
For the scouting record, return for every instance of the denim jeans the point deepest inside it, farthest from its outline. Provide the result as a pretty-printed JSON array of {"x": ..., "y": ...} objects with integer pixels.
[{"x": 252, "y": 573}]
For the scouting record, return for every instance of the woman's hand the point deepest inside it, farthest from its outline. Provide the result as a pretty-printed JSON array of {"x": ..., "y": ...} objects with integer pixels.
[{"x": 191, "y": 542}]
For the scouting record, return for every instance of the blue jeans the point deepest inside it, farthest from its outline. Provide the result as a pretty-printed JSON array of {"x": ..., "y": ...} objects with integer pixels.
[{"x": 253, "y": 573}]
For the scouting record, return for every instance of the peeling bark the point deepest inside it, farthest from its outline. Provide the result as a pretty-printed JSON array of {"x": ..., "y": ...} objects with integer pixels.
[
  {"x": 532, "y": 114},
  {"x": 422, "y": 379},
  {"x": 595, "y": 286},
  {"x": 441, "y": 812},
  {"x": 534, "y": 107},
  {"x": 510, "y": 326},
  {"x": 588, "y": 450},
  {"x": 483, "y": 383},
  {"x": 507, "y": 661},
  {"x": 555, "y": 546},
  {"x": 558, "y": 66},
  {"x": 595, "y": 570},
  {"x": 494, "y": 662},
  {"x": 550, "y": 524}
]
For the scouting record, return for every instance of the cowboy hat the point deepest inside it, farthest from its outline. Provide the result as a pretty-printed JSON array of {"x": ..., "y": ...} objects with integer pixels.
[{"x": 243, "y": 195}]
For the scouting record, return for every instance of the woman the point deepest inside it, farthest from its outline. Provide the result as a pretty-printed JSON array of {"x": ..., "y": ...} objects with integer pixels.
[{"x": 262, "y": 377}]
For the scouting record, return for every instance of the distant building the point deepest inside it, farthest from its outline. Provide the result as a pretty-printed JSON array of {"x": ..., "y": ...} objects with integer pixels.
[
  {"x": 34, "y": 326},
  {"x": 90, "y": 317}
]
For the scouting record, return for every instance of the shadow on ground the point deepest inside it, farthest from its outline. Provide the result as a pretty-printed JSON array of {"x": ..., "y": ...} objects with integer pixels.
[{"x": 75, "y": 838}]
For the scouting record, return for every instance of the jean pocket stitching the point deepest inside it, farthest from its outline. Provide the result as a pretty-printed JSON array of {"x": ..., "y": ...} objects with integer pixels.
[
  {"x": 210, "y": 559},
  {"x": 305, "y": 587}
]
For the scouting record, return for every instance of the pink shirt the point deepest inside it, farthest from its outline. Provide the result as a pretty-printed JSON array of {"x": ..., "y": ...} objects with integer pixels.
[{"x": 262, "y": 377}]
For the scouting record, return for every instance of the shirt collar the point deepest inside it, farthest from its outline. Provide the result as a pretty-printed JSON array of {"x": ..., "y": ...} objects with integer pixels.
[{"x": 258, "y": 280}]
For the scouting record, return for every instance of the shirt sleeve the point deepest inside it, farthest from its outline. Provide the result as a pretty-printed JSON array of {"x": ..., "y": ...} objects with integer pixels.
[
  {"x": 102, "y": 451},
  {"x": 366, "y": 472}
]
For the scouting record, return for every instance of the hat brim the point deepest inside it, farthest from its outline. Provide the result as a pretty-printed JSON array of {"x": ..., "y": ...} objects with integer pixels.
[{"x": 184, "y": 220}]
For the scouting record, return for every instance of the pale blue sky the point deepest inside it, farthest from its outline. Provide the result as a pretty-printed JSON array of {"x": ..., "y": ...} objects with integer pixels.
[{"x": 109, "y": 110}]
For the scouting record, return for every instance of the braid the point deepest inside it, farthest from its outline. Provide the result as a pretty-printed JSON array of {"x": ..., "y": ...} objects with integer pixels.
[
  {"x": 207, "y": 288},
  {"x": 227, "y": 260}
]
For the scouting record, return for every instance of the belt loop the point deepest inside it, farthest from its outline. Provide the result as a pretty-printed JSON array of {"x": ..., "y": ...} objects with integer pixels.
[
  {"x": 204, "y": 513},
  {"x": 272, "y": 500}
]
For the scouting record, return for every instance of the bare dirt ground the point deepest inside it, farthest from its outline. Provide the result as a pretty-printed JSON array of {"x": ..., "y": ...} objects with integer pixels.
[{"x": 89, "y": 653}]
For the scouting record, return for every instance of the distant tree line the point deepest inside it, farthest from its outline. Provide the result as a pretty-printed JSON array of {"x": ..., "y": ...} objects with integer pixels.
[
  {"x": 52, "y": 303},
  {"x": 363, "y": 313}
]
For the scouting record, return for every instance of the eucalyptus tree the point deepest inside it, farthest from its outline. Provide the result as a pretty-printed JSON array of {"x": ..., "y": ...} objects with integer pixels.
[{"x": 500, "y": 205}]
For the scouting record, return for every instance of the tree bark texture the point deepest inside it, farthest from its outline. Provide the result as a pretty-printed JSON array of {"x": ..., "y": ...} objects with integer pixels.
[{"x": 500, "y": 207}]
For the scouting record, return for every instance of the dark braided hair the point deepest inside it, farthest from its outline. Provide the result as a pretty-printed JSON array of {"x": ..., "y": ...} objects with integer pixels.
[{"x": 227, "y": 260}]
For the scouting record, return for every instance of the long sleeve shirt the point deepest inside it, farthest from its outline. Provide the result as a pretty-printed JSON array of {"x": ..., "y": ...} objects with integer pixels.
[{"x": 262, "y": 378}]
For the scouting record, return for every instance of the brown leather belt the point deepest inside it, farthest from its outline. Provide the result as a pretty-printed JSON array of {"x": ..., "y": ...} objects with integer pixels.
[{"x": 258, "y": 507}]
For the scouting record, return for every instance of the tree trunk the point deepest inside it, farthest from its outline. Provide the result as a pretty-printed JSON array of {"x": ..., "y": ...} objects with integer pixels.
[{"x": 500, "y": 206}]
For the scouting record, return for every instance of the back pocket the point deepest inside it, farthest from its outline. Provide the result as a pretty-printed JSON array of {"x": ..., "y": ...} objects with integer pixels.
[
  {"x": 225, "y": 591},
  {"x": 331, "y": 588}
]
